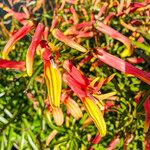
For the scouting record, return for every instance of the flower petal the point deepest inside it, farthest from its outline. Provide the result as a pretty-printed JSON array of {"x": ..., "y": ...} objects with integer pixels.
[
  {"x": 75, "y": 16},
  {"x": 134, "y": 60},
  {"x": 95, "y": 114},
  {"x": 51, "y": 136},
  {"x": 54, "y": 82},
  {"x": 75, "y": 73},
  {"x": 147, "y": 111},
  {"x": 74, "y": 85},
  {"x": 104, "y": 96}
]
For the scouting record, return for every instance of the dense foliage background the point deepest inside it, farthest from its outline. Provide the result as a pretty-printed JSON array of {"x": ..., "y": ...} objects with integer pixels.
[{"x": 26, "y": 123}]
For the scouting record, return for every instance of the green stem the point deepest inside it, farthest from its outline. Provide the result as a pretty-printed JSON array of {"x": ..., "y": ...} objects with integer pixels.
[
  {"x": 33, "y": 77},
  {"x": 141, "y": 46}
]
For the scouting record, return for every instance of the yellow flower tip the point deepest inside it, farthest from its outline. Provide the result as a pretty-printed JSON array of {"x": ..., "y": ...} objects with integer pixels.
[
  {"x": 4, "y": 56},
  {"x": 54, "y": 32},
  {"x": 95, "y": 114},
  {"x": 52, "y": 46},
  {"x": 127, "y": 52},
  {"x": 29, "y": 67},
  {"x": 58, "y": 116}
]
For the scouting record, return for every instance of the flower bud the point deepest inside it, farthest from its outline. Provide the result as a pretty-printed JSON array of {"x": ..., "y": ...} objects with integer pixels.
[
  {"x": 58, "y": 116},
  {"x": 73, "y": 108}
]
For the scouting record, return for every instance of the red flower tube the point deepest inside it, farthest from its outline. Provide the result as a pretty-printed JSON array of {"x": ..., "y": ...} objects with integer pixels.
[
  {"x": 18, "y": 65},
  {"x": 122, "y": 65},
  {"x": 16, "y": 37},
  {"x": 32, "y": 48},
  {"x": 116, "y": 35},
  {"x": 147, "y": 111},
  {"x": 61, "y": 37}
]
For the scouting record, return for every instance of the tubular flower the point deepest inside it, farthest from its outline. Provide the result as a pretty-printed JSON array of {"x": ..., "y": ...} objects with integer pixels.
[
  {"x": 72, "y": 1},
  {"x": 18, "y": 65},
  {"x": 58, "y": 116},
  {"x": 113, "y": 143},
  {"x": 38, "y": 5},
  {"x": 147, "y": 111},
  {"x": 52, "y": 77},
  {"x": 20, "y": 16},
  {"x": 73, "y": 29},
  {"x": 73, "y": 108},
  {"x": 51, "y": 136},
  {"x": 55, "y": 22},
  {"x": 16, "y": 37},
  {"x": 135, "y": 60},
  {"x": 61, "y": 37},
  {"x": 96, "y": 140},
  {"x": 32, "y": 48},
  {"x": 147, "y": 141},
  {"x": 75, "y": 16},
  {"x": 79, "y": 85},
  {"x": 122, "y": 65},
  {"x": 116, "y": 35}
]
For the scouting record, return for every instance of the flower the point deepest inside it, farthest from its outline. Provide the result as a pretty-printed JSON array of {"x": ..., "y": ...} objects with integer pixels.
[
  {"x": 113, "y": 143},
  {"x": 147, "y": 111},
  {"x": 96, "y": 140},
  {"x": 16, "y": 37},
  {"x": 20, "y": 16},
  {"x": 58, "y": 116},
  {"x": 61, "y": 37},
  {"x": 11, "y": 64},
  {"x": 122, "y": 65},
  {"x": 78, "y": 83},
  {"x": 52, "y": 76},
  {"x": 115, "y": 35},
  {"x": 73, "y": 108},
  {"x": 51, "y": 136},
  {"x": 74, "y": 15},
  {"x": 32, "y": 48},
  {"x": 134, "y": 60},
  {"x": 147, "y": 141}
]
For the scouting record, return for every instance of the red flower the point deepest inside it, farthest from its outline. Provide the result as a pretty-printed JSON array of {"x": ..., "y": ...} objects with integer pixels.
[
  {"x": 78, "y": 83},
  {"x": 147, "y": 111},
  {"x": 115, "y": 35},
  {"x": 18, "y": 65},
  {"x": 122, "y": 65},
  {"x": 16, "y": 37},
  {"x": 32, "y": 48},
  {"x": 61, "y": 37}
]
